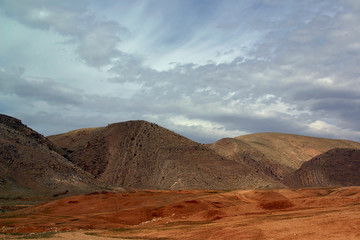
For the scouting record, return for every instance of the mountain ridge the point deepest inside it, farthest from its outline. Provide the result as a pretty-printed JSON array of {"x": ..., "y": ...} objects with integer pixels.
[
  {"x": 167, "y": 158},
  {"x": 141, "y": 155}
]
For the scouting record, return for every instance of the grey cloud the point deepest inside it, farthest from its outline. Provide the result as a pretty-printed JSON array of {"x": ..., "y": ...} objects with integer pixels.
[
  {"x": 61, "y": 96},
  {"x": 43, "y": 14},
  {"x": 353, "y": 4},
  {"x": 288, "y": 66},
  {"x": 304, "y": 92},
  {"x": 346, "y": 112},
  {"x": 96, "y": 38},
  {"x": 305, "y": 69},
  {"x": 129, "y": 68},
  {"x": 98, "y": 46},
  {"x": 50, "y": 107},
  {"x": 45, "y": 90}
]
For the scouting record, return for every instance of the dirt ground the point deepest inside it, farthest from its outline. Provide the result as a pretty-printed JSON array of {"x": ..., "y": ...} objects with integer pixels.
[{"x": 316, "y": 213}]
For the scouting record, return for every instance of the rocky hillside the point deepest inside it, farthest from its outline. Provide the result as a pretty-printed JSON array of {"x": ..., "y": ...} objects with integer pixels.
[
  {"x": 337, "y": 167},
  {"x": 140, "y": 154},
  {"x": 274, "y": 154},
  {"x": 31, "y": 165}
]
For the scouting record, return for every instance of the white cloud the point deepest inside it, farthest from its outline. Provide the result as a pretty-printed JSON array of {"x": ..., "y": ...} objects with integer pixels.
[
  {"x": 201, "y": 129},
  {"x": 323, "y": 128}
]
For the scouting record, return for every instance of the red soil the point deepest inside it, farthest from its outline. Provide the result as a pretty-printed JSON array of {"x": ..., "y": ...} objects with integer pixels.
[{"x": 317, "y": 213}]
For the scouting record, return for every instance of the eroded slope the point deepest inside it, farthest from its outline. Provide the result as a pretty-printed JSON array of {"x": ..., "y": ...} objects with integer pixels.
[{"x": 140, "y": 154}]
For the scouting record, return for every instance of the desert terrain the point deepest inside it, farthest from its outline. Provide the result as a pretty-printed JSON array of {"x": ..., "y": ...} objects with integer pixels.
[
  {"x": 138, "y": 180},
  {"x": 314, "y": 213}
]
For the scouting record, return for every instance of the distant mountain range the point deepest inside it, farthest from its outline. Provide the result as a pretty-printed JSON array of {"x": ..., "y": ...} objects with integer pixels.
[{"x": 139, "y": 154}]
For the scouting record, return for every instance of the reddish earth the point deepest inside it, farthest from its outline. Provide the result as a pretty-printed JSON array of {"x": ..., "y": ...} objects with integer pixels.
[{"x": 315, "y": 213}]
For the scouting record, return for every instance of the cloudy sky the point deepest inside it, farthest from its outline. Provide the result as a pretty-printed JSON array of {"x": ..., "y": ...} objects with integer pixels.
[{"x": 206, "y": 69}]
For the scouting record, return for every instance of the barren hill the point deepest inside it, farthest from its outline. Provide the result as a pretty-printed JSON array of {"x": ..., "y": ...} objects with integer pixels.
[
  {"x": 276, "y": 154},
  {"x": 337, "y": 167},
  {"x": 140, "y": 154},
  {"x": 30, "y": 164}
]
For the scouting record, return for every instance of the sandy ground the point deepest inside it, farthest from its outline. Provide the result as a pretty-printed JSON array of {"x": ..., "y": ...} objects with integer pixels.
[{"x": 331, "y": 213}]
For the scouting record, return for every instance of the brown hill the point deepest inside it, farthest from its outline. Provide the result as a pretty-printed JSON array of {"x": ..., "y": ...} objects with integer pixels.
[
  {"x": 337, "y": 167},
  {"x": 276, "y": 154},
  {"x": 140, "y": 154},
  {"x": 30, "y": 165}
]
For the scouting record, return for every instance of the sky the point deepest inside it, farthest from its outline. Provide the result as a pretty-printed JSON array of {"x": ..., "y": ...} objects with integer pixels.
[{"x": 206, "y": 69}]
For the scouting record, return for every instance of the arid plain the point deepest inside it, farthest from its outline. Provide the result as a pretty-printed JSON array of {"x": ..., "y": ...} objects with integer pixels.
[{"x": 317, "y": 213}]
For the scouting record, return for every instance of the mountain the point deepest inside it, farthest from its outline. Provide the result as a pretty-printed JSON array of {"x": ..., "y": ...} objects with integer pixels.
[
  {"x": 334, "y": 168},
  {"x": 31, "y": 165},
  {"x": 139, "y": 154},
  {"x": 275, "y": 154}
]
